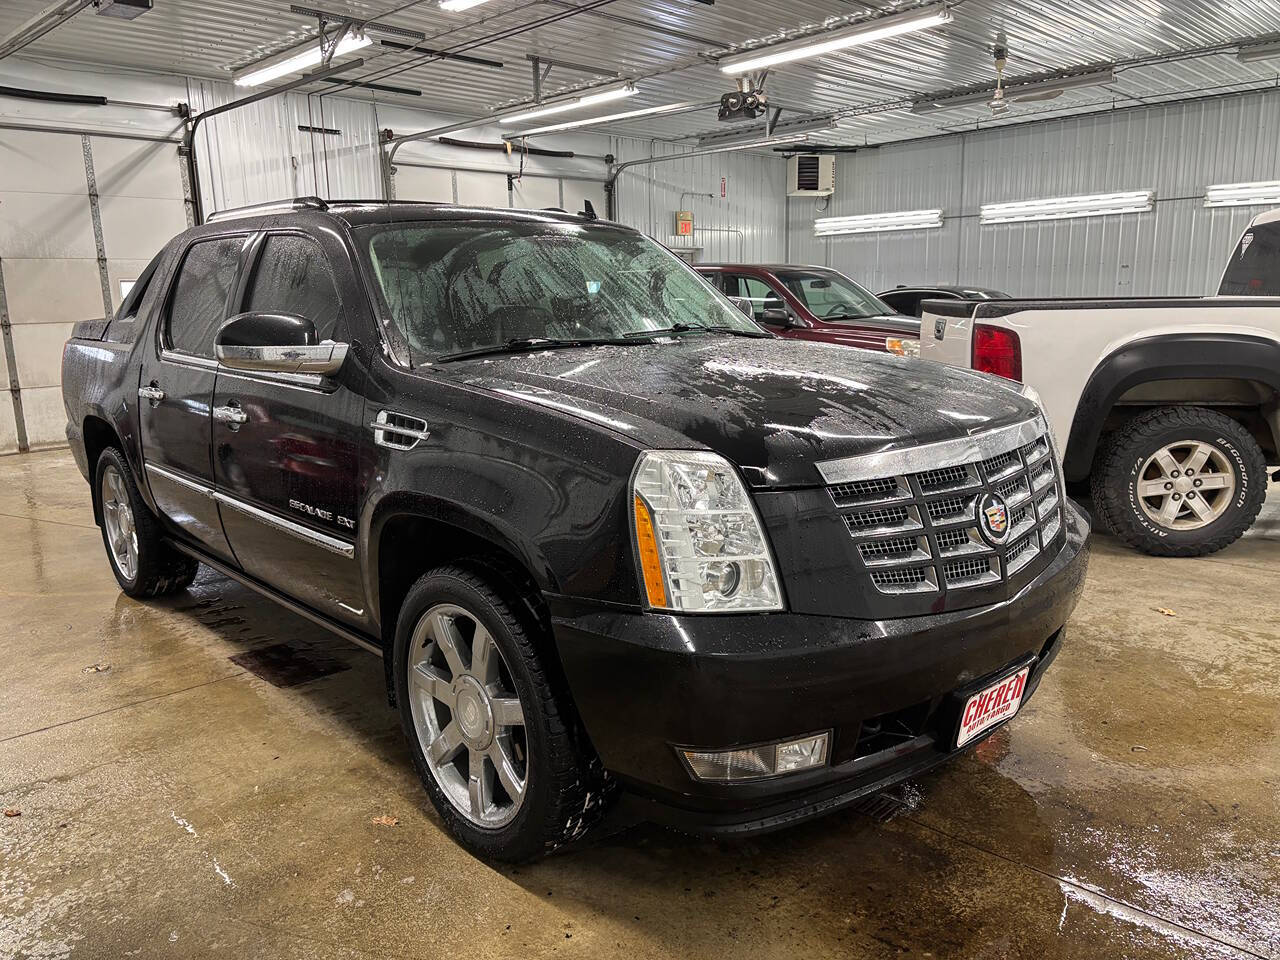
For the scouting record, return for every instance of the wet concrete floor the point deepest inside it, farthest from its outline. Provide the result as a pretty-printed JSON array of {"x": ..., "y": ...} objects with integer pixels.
[{"x": 175, "y": 804}]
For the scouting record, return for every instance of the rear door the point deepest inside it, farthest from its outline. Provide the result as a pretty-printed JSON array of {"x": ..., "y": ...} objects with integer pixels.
[
  {"x": 175, "y": 390},
  {"x": 287, "y": 446}
]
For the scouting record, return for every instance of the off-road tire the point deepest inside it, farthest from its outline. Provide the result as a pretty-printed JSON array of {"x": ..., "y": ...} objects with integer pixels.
[
  {"x": 161, "y": 569},
  {"x": 567, "y": 790},
  {"x": 1113, "y": 483}
]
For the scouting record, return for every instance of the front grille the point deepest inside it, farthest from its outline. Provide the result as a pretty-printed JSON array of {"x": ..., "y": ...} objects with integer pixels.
[
  {"x": 884, "y": 490},
  {"x": 924, "y": 535}
]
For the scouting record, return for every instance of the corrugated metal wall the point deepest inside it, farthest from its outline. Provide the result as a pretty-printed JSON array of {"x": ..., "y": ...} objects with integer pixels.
[
  {"x": 746, "y": 223},
  {"x": 1177, "y": 249}
]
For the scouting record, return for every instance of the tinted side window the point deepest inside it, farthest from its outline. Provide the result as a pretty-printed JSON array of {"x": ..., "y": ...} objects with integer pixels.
[
  {"x": 1254, "y": 270},
  {"x": 762, "y": 296},
  {"x": 199, "y": 302},
  {"x": 293, "y": 276}
]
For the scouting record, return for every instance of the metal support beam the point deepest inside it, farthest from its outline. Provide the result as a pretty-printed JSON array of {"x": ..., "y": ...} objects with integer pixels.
[
  {"x": 188, "y": 148},
  {"x": 50, "y": 18},
  {"x": 11, "y": 365}
]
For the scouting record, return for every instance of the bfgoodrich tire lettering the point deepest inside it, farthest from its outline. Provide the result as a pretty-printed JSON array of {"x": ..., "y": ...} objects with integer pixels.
[
  {"x": 564, "y": 789},
  {"x": 1127, "y": 482}
]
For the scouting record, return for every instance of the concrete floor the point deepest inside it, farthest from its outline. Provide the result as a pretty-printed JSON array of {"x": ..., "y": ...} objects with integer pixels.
[{"x": 174, "y": 804}]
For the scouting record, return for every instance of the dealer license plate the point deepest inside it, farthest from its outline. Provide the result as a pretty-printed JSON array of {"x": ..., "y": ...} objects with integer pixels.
[{"x": 998, "y": 702}]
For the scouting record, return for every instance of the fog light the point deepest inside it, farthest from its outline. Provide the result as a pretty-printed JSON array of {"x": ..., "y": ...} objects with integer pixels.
[{"x": 754, "y": 763}]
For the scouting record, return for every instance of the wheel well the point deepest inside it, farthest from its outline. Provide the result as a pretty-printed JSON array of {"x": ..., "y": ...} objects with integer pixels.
[
  {"x": 1252, "y": 404},
  {"x": 410, "y": 545},
  {"x": 98, "y": 435}
]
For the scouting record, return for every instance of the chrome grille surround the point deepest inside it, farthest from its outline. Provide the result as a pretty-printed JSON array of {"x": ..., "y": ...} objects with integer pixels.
[{"x": 913, "y": 513}]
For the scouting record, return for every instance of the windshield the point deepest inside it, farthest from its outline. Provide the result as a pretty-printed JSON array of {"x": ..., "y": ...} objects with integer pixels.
[
  {"x": 1254, "y": 270},
  {"x": 830, "y": 296},
  {"x": 455, "y": 286}
]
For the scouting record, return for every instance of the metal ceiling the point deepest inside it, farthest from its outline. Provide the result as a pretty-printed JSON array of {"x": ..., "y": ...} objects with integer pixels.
[{"x": 669, "y": 48}]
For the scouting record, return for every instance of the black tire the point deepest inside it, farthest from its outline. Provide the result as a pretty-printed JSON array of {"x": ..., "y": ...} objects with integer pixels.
[
  {"x": 1117, "y": 471},
  {"x": 161, "y": 569},
  {"x": 566, "y": 789}
]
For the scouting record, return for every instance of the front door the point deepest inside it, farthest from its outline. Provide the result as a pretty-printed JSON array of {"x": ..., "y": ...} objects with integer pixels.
[
  {"x": 175, "y": 391},
  {"x": 286, "y": 447}
]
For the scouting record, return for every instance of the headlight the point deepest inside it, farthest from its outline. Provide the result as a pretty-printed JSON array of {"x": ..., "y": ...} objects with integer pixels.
[
  {"x": 1034, "y": 396},
  {"x": 701, "y": 545},
  {"x": 903, "y": 346}
]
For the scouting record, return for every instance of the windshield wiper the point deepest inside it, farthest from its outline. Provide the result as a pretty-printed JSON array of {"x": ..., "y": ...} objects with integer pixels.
[
  {"x": 677, "y": 327},
  {"x": 690, "y": 327},
  {"x": 525, "y": 344}
]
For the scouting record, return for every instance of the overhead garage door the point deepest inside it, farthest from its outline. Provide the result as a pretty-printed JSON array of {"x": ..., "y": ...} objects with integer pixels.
[{"x": 52, "y": 273}]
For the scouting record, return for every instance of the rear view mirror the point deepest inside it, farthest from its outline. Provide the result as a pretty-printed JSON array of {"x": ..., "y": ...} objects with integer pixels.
[
  {"x": 743, "y": 305},
  {"x": 278, "y": 343}
]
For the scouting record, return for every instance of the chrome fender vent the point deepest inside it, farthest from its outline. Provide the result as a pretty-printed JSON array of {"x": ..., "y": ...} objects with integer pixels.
[{"x": 398, "y": 431}]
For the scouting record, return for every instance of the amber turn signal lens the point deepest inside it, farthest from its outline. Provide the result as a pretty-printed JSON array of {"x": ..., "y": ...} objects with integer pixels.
[{"x": 650, "y": 563}]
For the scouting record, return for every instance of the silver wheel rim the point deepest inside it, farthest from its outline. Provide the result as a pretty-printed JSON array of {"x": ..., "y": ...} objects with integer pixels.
[
  {"x": 117, "y": 520},
  {"x": 1186, "y": 485},
  {"x": 468, "y": 718}
]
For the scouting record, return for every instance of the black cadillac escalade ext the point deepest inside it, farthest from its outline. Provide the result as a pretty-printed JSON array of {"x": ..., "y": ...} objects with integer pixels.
[{"x": 608, "y": 535}]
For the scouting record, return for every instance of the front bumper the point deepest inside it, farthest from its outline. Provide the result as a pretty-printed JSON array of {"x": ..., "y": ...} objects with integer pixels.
[{"x": 643, "y": 683}]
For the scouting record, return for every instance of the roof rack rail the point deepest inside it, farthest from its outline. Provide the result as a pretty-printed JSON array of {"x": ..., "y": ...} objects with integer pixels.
[{"x": 273, "y": 206}]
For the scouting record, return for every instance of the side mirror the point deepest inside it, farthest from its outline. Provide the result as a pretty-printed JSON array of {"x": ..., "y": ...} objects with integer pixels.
[
  {"x": 278, "y": 343},
  {"x": 778, "y": 316},
  {"x": 743, "y": 305}
]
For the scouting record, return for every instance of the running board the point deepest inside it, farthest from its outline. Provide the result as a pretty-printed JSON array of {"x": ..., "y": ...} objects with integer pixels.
[{"x": 291, "y": 605}]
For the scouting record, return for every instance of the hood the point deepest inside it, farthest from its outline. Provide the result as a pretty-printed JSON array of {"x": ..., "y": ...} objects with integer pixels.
[{"x": 774, "y": 407}]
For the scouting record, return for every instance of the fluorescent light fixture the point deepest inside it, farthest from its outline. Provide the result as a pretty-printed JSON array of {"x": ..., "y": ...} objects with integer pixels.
[
  {"x": 811, "y": 125},
  {"x": 749, "y": 144},
  {"x": 297, "y": 61},
  {"x": 817, "y": 46},
  {"x": 573, "y": 103},
  {"x": 1257, "y": 193},
  {"x": 877, "y": 222},
  {"x": 453, "y": 6},
  {"x": 1018, "y": 92},
  {"x": 1068, "y": 208},
  {"x": 609, "y": 118},
  {"x": 1259, "y": 51}
]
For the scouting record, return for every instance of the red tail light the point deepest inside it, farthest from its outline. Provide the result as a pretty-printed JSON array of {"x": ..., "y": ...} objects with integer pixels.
[{"x": 997, "y": 350}]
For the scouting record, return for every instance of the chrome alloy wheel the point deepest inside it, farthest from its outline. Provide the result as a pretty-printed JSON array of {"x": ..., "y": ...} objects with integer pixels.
[
  {"x": 117, "y": 519},
  {"x": 467, "y": 716},
  {"x": 1186, "y": 485}
]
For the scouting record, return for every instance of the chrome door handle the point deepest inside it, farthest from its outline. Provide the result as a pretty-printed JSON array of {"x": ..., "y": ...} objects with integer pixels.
[
  {"x": 230, "y": 414},
  {"x": 152, "y": 393}
]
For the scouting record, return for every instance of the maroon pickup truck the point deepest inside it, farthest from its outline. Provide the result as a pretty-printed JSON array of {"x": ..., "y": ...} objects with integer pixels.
[{"x": 816, "y": 303}]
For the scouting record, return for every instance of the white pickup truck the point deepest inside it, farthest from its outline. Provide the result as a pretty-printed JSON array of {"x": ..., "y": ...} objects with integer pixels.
[{"x": 1168, "y": 407}]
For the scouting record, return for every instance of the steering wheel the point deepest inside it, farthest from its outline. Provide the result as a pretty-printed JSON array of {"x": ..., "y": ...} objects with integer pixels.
[{"x": 836, "y": 308}]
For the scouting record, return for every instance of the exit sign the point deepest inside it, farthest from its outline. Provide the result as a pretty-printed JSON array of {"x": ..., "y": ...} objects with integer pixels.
[{"x": 684, "y": 223}]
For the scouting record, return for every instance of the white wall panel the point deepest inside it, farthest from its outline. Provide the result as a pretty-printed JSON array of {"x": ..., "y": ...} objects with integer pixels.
[
  {"x": 577, "y": 191},
  {"x": 135, "y": 228},
  {"x": 536, "y": 193},
  {"x": 46, "y": 225},
  {"x": 424, "y": 183},
  {"x": 51, "y": 291},
  {"x": 747, "y": 223},
  {"x": 482, "y": 189},
  {"x": 45, "y": 417},
  {"x": 8, "y": 430},
  {"x": 1177, "y": 249},
  {"x": 38, "y": 347}
]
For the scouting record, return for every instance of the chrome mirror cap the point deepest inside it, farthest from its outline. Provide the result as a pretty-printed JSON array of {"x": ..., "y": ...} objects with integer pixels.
[{"x": 324, "y": 358}]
